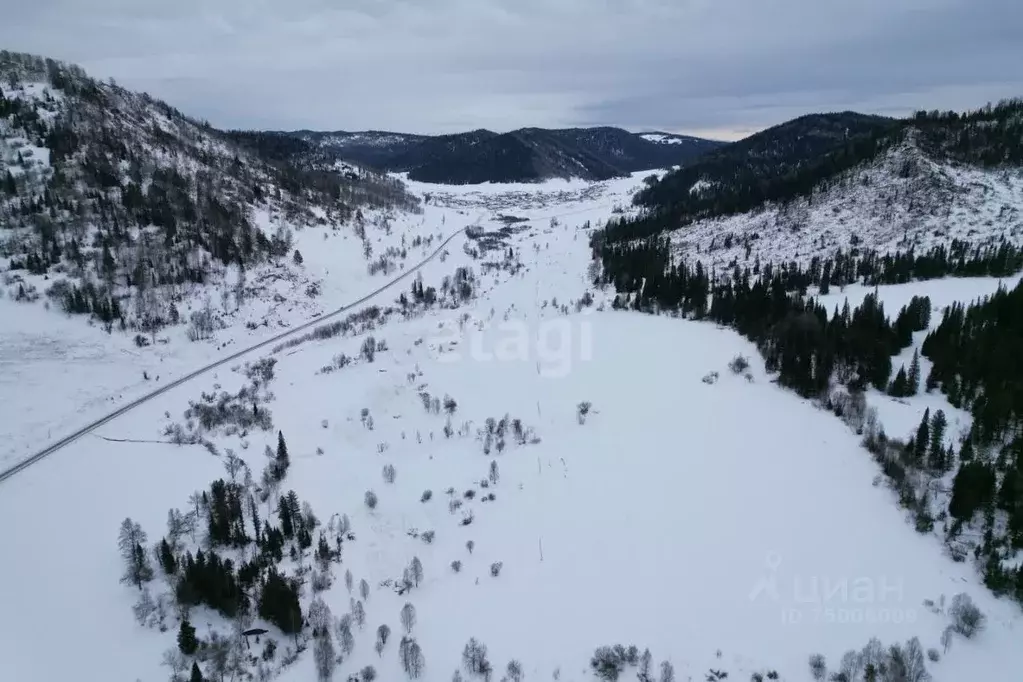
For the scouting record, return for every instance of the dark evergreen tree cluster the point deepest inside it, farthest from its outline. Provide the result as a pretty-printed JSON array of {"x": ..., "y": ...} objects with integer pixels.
[
  {"x": 977, "y": 364},
  {"x": 796, "y": 335},
  {"x": 209, "y": 579},
  {"x": 975, "y": 352},
  {"x": 252, "y": 585},
  {"x": 990, "y": 136}
]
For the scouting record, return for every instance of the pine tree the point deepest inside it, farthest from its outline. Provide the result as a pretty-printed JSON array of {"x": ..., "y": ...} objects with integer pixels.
[
  {"x": 900, "y": 385},
  {"x": 914, "y": 374},
  {"x": 167, "y": 560},
  {"x": 284, "y": 513},
  {"x": 936, "y": 450},
  {"x": 187, "y": 641},
  {"x": 196, "y": 673},
  {"x": 923, "y": 438},
  {"x": 283, "y": 462}
]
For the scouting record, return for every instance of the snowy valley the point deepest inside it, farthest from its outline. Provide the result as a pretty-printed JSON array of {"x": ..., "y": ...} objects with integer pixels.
[{"x": 499, "y": 466}]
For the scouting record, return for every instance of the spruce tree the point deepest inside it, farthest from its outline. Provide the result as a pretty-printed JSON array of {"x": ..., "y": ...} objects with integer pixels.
[
  {"x": 936, "y": 450},
  {"x": 283, "y": 462},
  {"x": 187, "y": 641},
  {"x": 899, "y": 387},
  {"x": 167, "y": 560},
  {"x": 284, "y": 512},
  {"x": 923, "y": 438},
  {"x": 914, "y": 374},
  {"x": 196, "y": 673}
]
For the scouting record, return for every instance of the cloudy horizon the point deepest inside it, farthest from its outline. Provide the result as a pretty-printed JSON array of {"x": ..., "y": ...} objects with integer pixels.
[{"x": 714, "y": 68}]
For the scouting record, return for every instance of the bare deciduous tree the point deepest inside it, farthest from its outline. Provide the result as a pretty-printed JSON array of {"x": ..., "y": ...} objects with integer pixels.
[
  {"x": 319, "y": 616},
  {"x": 323, "y": 654},
  {"x": 946, "y": 638},
  {"x": 967, "y": 619},
  {"x": 344, "y": 634},
  {"x": 364, "y": 589},
  {"x": 474, "y": 657},
  {"x": 645, "y": 664},
  {"x": 408, "y": 617},
  {"x": 359, "y": 614},
  {"x": 818, "y": 667},
  {"x": 132, "y": 542},
  {"x": 416, "y": 570},
  {"x": 412, "y": 660}
]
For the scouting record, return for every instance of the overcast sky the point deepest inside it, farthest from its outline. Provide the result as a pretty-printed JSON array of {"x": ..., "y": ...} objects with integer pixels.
[{"x": 719, "y": 68}]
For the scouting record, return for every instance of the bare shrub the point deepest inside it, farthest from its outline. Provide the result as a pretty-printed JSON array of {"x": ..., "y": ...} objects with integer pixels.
[
  {"x": 371, "y": 499},
  {"x": 818, "y": 667},
  {"x": 967, "y": 619},
  {"x": 389, "y": 473},
  {"x": 739, "y": 364}
]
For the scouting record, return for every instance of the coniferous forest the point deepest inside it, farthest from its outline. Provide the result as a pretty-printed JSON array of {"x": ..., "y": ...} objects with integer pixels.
[{"x": 974, "y": 351}]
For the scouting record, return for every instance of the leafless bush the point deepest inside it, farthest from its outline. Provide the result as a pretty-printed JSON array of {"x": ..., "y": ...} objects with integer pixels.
[
  {"x": 427, "y": 496},
  {"x": 495, "y": 568},
  {"x": 739, "y": 364},
  {"x": 818, "y": 667},
  {"x": 371, "y": 499},
  {"x": 320, "y": 581},
  {"x": 389, "y": 473},
  {"x": 967, "y": 619}
]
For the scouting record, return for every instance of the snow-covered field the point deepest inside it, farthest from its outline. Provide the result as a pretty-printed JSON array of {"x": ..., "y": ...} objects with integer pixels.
[{"x": 728, "y": 527}]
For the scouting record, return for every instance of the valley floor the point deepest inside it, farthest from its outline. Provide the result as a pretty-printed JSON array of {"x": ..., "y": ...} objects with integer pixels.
[{"x": 727, "y": 526}]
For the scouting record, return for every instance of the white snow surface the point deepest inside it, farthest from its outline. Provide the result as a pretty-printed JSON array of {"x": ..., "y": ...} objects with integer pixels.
[
  {"x": 903, "y": 200},
  {"x": 730, "y": 526}
]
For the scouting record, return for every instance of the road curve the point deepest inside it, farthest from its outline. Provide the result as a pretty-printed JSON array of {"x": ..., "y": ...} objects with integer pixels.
[{"x": 67, "y": 440}]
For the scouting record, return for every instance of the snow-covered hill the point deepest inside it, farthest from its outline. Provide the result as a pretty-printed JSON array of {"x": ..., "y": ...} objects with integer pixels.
[
  {"x": 901, "y": 201},
  {"x": 568, "y": 477}
]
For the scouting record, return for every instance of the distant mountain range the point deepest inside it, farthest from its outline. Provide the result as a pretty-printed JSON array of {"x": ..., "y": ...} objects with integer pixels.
[{"x": 524, "y": 155}]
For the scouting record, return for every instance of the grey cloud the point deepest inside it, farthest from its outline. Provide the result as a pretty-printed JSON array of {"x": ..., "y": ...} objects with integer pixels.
[{"x": 729, "y": 66}]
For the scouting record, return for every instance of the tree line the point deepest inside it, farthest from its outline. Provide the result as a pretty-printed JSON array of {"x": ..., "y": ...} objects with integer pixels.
[{"x": 974, "y": 351}]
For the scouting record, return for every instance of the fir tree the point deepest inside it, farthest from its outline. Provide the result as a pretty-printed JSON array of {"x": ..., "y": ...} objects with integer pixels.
[
  {"x": 914, "y": 374},
  {"x": 923, "y": 439},
  {"x": 283, "y": 461},
  {"x": 167, "y": 560},
  {"x": 196, "y": 673},
  {"x": 187, "y": 641},
  {"x": 936, "y": 449},
  {"x": 284, "y": 513},
  {"x": 900, "y": 385}
]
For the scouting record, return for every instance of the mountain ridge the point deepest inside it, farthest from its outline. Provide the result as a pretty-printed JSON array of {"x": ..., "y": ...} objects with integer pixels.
[{"x": 527, "y": 154}]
